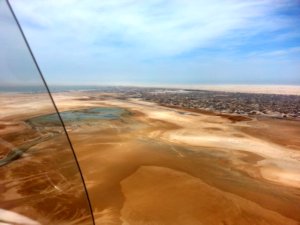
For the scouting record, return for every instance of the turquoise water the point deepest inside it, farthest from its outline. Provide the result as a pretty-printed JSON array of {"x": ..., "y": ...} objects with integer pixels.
[{"x": 92, "y": 114}]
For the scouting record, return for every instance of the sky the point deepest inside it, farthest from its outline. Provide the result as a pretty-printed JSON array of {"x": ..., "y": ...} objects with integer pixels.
[
  {"x": 161, "y": 42},
  {"x": 16, "y": 64}
]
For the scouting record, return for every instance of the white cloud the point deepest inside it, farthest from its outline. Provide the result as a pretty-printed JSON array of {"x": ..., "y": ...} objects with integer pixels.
[
  {"x": 164, "y": 27},
  {"x": 117, "y": 37}
]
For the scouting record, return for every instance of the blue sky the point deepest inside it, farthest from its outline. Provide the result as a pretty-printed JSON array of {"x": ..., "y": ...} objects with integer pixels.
[{"x": 164, "y": 41}]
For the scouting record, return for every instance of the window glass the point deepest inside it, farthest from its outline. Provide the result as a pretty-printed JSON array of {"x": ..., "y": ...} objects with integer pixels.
[{"x": 40, "y": 182}]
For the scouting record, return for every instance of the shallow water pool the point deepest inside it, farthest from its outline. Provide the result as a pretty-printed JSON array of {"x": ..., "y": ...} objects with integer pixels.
[{"x": 92, "y": 114}]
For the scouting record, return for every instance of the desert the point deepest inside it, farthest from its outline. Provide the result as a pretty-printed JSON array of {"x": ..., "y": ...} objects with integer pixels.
[{"x": 146, "y": 163}]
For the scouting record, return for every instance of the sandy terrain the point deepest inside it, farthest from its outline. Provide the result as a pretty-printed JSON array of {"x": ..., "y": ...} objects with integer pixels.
[
  {"x": 42, "y": 185},
  {"x": 159, "y": 165},
  {"x": 217, "y": 132},
  {"x": 241, "y": 164}
]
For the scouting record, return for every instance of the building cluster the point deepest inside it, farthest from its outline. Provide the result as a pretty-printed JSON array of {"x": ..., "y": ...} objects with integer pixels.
[{"x": 275, "y": 105}]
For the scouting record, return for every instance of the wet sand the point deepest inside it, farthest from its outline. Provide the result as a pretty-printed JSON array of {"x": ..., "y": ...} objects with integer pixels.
[{"x": 159, "y": 165}]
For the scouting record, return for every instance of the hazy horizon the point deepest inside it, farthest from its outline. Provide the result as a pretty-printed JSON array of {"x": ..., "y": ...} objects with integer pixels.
[
  {"x": 149, "y": 85},
  {"x": 240, "y": 88}
]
